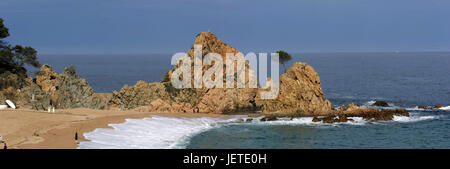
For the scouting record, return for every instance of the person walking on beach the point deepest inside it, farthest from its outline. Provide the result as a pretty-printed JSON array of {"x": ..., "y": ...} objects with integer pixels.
[
  {"x": 198, "y": 110},
  {"x": 193, "y": 110},
  {"x": 4, "y": 146},
  {"x": 76, "y": 137}
]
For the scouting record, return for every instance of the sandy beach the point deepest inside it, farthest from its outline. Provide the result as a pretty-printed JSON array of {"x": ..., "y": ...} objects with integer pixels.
[{"x": 30, "y": 129}]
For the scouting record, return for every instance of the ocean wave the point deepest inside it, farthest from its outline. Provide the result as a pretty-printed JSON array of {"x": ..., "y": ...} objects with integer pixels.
[
  {"x": 414, "y": 109},
  {"x": 149, "y": 133},
  {"x": 413, "y": 118},
  {"x": 369, "y": 103},
  {"x": 447, "y": 108},
  {"x": 307, "y": 121},
  {"x": 160, "y": 132}
]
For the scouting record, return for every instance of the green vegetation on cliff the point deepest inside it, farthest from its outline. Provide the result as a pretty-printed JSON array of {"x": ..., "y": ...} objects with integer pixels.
[{"x": 13, "y": 59}]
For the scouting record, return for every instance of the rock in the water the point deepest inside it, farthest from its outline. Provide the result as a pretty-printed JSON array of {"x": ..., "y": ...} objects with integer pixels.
[
  {"x": 437, "y": 106},
  {"x": 316, "y": 119},
  {"x": 375, "y": 114},
  {"x": 353, "y": 110},
  {"x": 299, "y": 90},
  {"x": 269, "y": 118},
  {"x": 422, "y": 107},
  {"x": 332, "y": 119},
  {"x": 381, "y": 104}
]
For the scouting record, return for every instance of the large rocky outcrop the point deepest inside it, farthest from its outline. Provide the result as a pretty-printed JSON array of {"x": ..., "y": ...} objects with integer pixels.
[
  {"x": 23, "y": 92},
  {"x": 141, "y": 94},
  {"x": 300, "y": 91},
  {"x": 67, "y": 90},
  {"x": 168, "y": 98},
  {"x": 220, "y": 100}
]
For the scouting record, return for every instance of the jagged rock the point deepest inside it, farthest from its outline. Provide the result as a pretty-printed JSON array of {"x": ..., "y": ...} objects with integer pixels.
[
  {"x": 299, "y": 90},
  {"x": 141, "y": 94},
  {"x": 364, "y": 112},
  {"x": 24, "y": 92},
  {"x": 381, "y": 104},
  {"x": 46, "y": 79},
  {"x": 222, "y": 100},
  {"x": 371, "y": 113},
  {"x": 215, "y": 100},
  {"x": 67, "y": 90},
  {"x": 33, "y": 95},
  {"x": 227, "y": 100}
]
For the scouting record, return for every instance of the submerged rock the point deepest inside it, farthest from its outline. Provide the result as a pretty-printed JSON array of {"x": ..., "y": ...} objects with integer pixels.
[
  {"x": 375, "y": 114},
  {"x": 269, "y": 118},
  {"x": 437, "y": 106},
  {"x": 422, "y": 107},
  {"x": 365, "y": 113},
  {"x": 332, "y": 119},
  {"x": 381, "y": 104}
]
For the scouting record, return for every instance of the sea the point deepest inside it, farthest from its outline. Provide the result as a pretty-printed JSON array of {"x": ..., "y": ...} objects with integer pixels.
[{"x": 403, "y": 79}]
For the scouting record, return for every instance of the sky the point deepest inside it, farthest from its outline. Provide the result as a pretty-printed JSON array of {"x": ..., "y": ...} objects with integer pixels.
[{"x": 170, "y": 26}]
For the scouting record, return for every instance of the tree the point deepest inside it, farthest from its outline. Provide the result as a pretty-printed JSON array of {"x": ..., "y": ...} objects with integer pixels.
[
  {"x": 284, "y": 57},
  {"x": 13, "y": 58}
]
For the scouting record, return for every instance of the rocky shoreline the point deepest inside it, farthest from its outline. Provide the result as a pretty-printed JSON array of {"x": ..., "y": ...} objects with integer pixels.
[{"x": 300, "y": 94}]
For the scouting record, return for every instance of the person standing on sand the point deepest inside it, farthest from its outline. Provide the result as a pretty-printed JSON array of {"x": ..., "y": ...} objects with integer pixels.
[
  {"x": 198, "y": 110},
  {"x": 76, "y": 137},
  {"x": 4, "y": 146},
  {"x": 193, "y": 110}
]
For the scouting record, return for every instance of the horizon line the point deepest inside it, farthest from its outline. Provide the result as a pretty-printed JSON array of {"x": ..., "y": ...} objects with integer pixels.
[{"x": 309, "y": 52}]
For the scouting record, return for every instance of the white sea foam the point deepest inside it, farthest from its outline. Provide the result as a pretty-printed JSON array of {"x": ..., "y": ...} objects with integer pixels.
[
  {"x": 175, "y": 132},
  {"x": 447, "y": 108},
  {"x": 413, "y": 118},
  {"x": 149, "y": 133},
  {"x": 295, "y": 121},
  {"x": 369, "y": 103},
  {"x": 415, "y": 109}
]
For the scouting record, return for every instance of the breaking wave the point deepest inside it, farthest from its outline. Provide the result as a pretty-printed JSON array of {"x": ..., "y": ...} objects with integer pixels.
[
  {"x": 149, "y": 133},
  {"x": 447, "y": 108},
  {"x": 160, "y": 132},
  {"x": 413, "y": 118}
]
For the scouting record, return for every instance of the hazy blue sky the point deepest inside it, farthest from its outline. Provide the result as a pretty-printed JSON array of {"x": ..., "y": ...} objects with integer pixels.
[{"x": 169, "y": 26}]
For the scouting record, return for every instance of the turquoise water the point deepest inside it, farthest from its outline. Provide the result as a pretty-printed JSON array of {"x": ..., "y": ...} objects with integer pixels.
[{"x": 402, "y": 79}]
